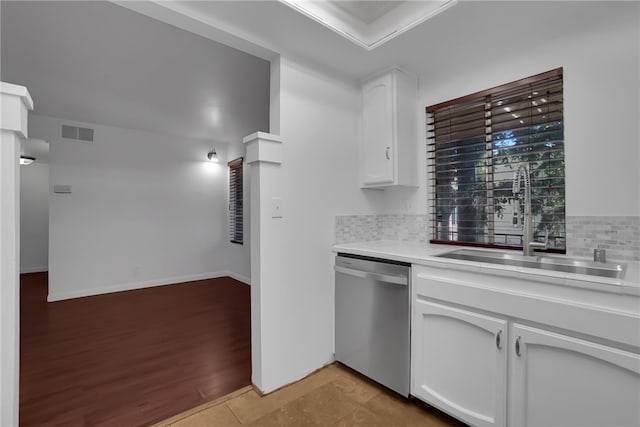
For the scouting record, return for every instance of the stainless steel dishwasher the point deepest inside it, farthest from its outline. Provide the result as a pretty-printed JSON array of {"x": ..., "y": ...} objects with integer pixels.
[{"x": 372, "y": 318}]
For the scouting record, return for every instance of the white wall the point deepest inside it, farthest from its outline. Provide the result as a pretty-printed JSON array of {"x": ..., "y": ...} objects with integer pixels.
[
  {"x": 317, "y": 119},
  {"x": 34, "y": 217},
  {"x": 145, "y": 209},
  {"x": 601, "y": 106}
]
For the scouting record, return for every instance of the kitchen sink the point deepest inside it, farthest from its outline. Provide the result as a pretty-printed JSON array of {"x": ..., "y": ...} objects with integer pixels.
[{"x": 563, "y": 264}]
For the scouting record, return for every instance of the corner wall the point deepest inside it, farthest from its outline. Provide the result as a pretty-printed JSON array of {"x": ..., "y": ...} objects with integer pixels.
[
  {"x": 317, "y": 118},
  {"x": 145, "y": 209}
]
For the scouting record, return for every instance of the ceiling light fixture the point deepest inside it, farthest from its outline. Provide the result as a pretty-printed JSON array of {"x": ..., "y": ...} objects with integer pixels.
[
  {"x": 26, "y": 160},
  {"x": 212, "y": 155}
]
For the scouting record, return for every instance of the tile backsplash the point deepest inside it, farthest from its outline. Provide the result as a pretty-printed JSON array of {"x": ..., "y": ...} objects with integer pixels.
[
  {"x": 619, "y": 235},
  {"x": 407, "y": 228},
  {"x": 358, "y": 228}
]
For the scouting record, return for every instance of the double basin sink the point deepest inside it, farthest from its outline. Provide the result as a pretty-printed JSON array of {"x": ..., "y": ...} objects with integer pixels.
[{"x": 567, "y": 265}]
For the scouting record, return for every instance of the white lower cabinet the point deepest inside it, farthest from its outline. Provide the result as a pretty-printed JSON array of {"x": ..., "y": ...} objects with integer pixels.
[
  {"x": 459, "y": 362},
  {"x": 558, "y": 380},
  {"x": 476, "y": 354}
]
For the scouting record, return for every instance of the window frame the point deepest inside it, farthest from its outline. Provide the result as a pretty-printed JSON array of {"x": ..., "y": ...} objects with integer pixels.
[
  {"x": 236, "y": 201},
  {"x": 487, "y": 97}
]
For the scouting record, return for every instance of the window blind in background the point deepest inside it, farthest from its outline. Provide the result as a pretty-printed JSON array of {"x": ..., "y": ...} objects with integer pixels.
[
  {"x": 236, "y": 205},
  {"x": 475, "y": 144}
]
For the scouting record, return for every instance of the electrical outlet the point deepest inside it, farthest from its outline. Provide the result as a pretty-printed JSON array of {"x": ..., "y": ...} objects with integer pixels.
[{"x": 62, "y": 189}]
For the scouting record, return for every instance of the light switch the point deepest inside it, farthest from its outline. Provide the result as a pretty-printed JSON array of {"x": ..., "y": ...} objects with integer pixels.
[{"x": 276, "y": 207}]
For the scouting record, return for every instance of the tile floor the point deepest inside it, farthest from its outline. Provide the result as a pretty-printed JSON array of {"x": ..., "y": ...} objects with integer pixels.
[{"x": 332, "y": 396}]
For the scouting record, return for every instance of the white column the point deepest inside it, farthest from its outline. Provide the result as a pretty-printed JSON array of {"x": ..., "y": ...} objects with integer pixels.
[
  {"x": 15, "y": 106},
  {"x": 264, "y": 157}
]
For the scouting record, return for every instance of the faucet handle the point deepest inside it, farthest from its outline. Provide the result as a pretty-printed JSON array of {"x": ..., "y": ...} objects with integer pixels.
[{"x": 599, "y": 255}]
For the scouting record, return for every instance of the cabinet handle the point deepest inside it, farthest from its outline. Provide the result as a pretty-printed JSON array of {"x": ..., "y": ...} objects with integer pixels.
[
  {"x": 386, "y": 153},
  {"x": 498, "y": 339},
  {"x": 518, "y": 346}
]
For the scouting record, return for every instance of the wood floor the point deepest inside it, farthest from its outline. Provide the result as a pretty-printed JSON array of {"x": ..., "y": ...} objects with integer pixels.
[
  {"x": 131, "y": 358},
  {"x": 333, "y": 396}
]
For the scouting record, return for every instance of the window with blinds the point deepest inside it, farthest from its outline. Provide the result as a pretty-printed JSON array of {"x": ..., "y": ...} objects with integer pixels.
[
  {"x": 475, "y": 145},
  {"x": 236, "y": 205}
]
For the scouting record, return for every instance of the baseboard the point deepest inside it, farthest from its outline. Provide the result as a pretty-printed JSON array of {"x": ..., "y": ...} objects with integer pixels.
[
  {"x": 34, "y": 270},
  {"x": 238, "y": 277},
  {"x": 260, "y": 392},
  {"x": 52, "y": 297}
]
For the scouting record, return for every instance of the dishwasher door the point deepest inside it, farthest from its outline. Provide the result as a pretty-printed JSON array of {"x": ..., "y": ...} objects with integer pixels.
[{"x": 372, "y": 319}]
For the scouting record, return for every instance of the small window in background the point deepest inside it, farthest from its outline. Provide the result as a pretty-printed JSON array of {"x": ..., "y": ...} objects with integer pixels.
[
  {"x": 236, "y": 205},
  {"x": 475, "y": 144}
]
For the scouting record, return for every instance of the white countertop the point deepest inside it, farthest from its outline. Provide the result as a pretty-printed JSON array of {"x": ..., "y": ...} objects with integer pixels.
[
  {"x": 392, "y": 249},
  {"x": 424, "y": 253}
]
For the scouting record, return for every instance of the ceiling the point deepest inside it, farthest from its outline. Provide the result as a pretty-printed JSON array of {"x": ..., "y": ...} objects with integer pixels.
[
  {"x": 369, "y": 24},
  {"x": 469, "y": 30},
  {"x": 97, "y": 62},
  {"x": 366, "y": 11}
]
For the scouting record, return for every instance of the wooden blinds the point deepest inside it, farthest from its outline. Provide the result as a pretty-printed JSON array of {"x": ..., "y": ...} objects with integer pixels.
[
  {"x": 475, "y": 144},
  {"x": 236, "y": 208}
]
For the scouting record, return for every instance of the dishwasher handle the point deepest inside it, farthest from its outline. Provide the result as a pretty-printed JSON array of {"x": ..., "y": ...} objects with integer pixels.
[{"x": 397, "y": 280}]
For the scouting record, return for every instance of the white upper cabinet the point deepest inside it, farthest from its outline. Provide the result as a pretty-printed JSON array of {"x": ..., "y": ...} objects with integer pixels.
[{"x": 388, "y": 154}]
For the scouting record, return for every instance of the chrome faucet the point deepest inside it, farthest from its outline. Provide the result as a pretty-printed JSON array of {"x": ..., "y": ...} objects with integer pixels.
[{"x": 528, "y": 244}]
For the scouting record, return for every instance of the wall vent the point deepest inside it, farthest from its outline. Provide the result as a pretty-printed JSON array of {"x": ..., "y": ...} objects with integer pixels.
[{"x": 77, "y": 133}]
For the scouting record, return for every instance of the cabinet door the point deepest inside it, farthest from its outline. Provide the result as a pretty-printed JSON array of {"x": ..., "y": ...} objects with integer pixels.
[
  {"x": 459, "y": 363},
  {"x": 557, "y": 380},
  {"x": 378, "y": 131}
]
